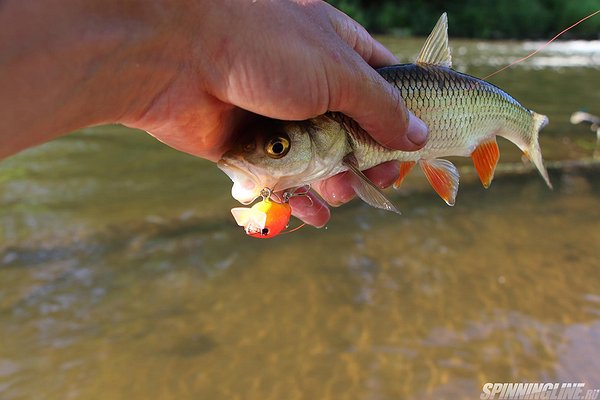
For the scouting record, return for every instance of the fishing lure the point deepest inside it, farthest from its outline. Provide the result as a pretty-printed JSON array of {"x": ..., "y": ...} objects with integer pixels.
[{"x": 265, "y": 219}]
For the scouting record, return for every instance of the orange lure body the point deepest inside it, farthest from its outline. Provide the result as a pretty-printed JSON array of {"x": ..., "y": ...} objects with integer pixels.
[{"x": 265, "y": 219}]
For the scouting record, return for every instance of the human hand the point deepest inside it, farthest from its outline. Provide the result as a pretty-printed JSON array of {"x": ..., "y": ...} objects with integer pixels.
[
  {"x": 289, "y": 60},
  {"x": 193, "y": 73}
]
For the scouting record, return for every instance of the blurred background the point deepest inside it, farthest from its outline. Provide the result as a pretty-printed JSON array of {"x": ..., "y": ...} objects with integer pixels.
[
  {"x": 482, "y": 19},
  {"x": 124, "y": 276}
]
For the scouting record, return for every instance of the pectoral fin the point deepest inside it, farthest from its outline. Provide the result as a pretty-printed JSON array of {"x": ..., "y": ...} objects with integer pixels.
[
  {"x": 485, "y": 158},
  {"x": 405, "y": 168},
  {"x": 365, "y": 189},
  {"x": 443, "y": 177}
]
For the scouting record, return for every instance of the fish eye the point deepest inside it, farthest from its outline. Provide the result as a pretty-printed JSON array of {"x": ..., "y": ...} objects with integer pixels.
[{"x": 278, "y": 146}]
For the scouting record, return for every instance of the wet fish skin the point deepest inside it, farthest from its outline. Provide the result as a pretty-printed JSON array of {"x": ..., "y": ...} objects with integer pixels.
[{"x": 460, "y": 110}]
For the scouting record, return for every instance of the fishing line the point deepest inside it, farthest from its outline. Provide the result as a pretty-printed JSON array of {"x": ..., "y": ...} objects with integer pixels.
[
  {"x": 295, "y": 229},
  {"x": 543, "y": 46}
]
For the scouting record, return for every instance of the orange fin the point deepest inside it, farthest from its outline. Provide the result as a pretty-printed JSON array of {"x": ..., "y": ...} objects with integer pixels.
[
  {"x": 485, "y": 157},
  {"x": 405, "y": 168},
  {"x": 443, "y": 177}
]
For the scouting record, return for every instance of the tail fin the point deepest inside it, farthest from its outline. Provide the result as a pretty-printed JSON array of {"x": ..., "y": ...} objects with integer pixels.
[{"x": 533, "y": 152}]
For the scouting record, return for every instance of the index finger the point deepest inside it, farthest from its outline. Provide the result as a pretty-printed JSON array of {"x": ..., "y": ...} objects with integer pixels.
[
  {"x": 368, "y": 98},
  {"x": 356, "y": 36}
]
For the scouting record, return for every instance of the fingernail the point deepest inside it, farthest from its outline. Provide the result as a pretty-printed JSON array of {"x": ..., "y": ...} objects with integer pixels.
[{"x": 417, "y": 130}]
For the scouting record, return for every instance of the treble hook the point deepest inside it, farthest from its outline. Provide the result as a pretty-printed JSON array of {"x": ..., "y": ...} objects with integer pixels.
[{"x": 294, "y": 193}]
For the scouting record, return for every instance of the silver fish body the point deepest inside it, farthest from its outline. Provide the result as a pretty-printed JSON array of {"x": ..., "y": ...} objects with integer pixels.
[{"x": 460, "y": 111}]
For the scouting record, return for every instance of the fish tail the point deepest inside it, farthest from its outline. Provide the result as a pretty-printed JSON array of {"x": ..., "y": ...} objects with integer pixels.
[{"x": 533, "y": 151}]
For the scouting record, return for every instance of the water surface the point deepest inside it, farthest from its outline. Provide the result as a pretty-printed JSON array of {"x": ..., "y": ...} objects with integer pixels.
[{"x": 123, "y": 275}]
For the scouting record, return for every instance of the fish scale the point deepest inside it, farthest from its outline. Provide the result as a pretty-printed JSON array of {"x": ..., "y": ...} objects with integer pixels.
[{"x": 459, "y": 110}]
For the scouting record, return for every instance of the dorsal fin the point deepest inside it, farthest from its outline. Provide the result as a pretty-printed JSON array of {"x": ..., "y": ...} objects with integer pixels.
[{"x": 435, "y": 51}]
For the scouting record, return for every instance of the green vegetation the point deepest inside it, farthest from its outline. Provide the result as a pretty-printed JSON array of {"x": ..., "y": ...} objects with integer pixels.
[{"x": 486, "y": 19}]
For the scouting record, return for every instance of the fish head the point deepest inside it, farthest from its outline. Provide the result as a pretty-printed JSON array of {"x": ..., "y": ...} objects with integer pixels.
[{"x": 270, "y": 154}]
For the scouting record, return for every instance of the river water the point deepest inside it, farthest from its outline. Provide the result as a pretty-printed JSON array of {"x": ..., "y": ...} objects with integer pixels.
[{"x": 123, "y": 275}]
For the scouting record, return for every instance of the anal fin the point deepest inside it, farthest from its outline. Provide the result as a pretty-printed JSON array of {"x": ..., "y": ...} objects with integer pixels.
[
  {"x": 443, "y": 177},
  {"x": 485, "y": 158},
  {"x": 405, "y": 168}
]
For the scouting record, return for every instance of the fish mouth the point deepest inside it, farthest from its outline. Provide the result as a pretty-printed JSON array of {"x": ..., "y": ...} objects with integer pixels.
[{"x": 246, "y": 185}]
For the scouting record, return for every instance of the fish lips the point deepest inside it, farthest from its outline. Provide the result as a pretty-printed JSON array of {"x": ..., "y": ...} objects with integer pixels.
[{"x": 246, "y": 185}]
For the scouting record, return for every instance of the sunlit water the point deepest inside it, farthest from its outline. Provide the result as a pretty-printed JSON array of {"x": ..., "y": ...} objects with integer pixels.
[{"x": 123, "y": 275}]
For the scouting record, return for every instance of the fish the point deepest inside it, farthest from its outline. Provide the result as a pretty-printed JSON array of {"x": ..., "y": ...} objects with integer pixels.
[
  {"x": 464, "y": 115},
  {"x": 265, "y": 219}
]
